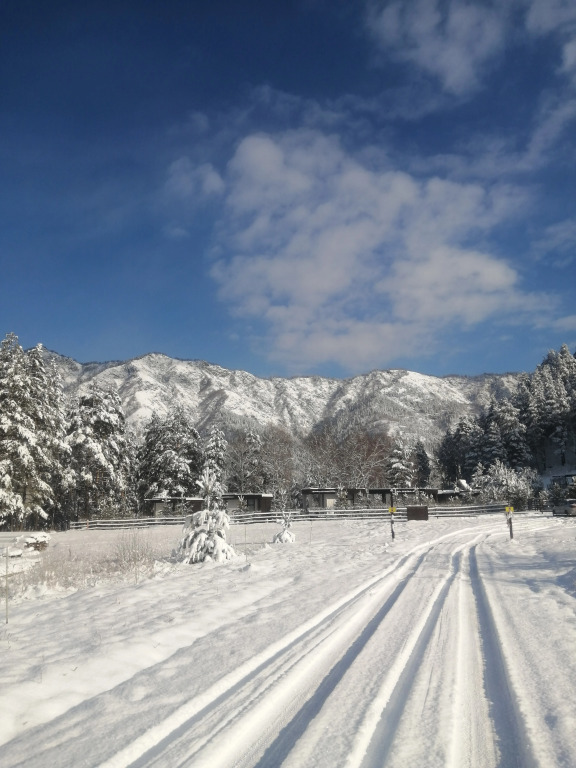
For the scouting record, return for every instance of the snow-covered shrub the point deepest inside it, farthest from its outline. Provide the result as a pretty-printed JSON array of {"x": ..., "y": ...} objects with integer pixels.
[
  {"x": 501, "y": 483},
  {"x": 205, "y": 531},
  {"x": 284, "y": 537},
  {"x": 37, "y": 541}
]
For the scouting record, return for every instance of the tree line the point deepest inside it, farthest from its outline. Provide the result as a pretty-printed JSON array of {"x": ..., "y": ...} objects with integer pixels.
[
  {"x": 530, "y": 431},
  {"x": 62, "y": 458}
]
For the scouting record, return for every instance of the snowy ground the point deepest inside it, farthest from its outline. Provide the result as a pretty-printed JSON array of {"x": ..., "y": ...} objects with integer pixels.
[{"x": 451, "y": 646}]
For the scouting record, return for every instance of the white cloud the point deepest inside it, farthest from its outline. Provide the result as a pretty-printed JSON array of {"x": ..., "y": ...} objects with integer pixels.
[
  {"x": 569, "y": 57},
  {"x": 458, "y": 40},
  {"x": 452, "y": 41},
  {"x": 544, "y": 16},
  {"x": 191, "y": 182},
  {"x": 552, "y": 123},
  {"x": 567, "y": 323},
  {"x": 560, "y": 240},
  {"x": 342, "y": 263}
]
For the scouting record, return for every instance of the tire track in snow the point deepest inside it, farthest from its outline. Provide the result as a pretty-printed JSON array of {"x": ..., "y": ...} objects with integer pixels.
[
  {"x": 401, "y": 701},
  {"x": 513, "y": 741},
  {"x": 379, "y": 729},
  {"x": 472, "y": 738},
  {"x": 278, "y": 751}
]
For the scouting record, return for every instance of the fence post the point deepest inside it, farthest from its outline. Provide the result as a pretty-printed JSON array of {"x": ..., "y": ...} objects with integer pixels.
[{"x": 392, "y": 511}]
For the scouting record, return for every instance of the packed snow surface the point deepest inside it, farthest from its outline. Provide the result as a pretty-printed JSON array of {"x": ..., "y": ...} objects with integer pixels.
[{"x": 450, "y": 646}]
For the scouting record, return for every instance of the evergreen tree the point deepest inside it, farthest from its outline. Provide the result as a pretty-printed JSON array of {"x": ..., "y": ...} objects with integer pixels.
[
  {"x": 170, "y": 458},
  {"x": 401, "y": 465},
  {"x": 48, "y": 413},
  {"x": 448, "y": 458},
  {"x": 205, "y": 531},
  {"x": 422, "y": 465},
  {"x": 470, "y": 446},
  {"x": 215, "y": 452},
  {"x": 31, "y": 431},
  {"x": 492, "y": 445},
  {"x": 461, "y": 450},
  {"x": 516, "y": 453},
  {"x": 100, "y": 456}
]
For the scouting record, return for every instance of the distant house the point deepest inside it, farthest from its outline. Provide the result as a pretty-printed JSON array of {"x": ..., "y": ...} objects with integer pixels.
[
  {"x": 254, "y": 502},
  {"x": 169, "y": 506},
  {"x": 326, "y": 498},
  {"x": 565, "y": 481}
]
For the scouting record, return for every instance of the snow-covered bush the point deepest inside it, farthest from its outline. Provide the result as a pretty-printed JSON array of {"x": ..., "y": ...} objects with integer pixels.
[
  {"x": 37, "y": 541},
  {"x": 501, "y": 483},
  {"x": 284, "y": 536},
  {"x": 205, "y": 531}
]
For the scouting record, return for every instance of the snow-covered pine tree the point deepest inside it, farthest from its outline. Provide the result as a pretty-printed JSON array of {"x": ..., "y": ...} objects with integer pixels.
[
  {"x": 48, "y": 413},
  {"x": 31, "y": 430},
  {"x": 422, "y": 465},
  {"x": 506, "y": 415},
  {"x": 215, "y": 452},
  {"x": 448, "y": 458},
  {"x": 401, "y": 465},
  {"x": 100, "y": 458},
  {"x": 461, "y": 450},
  {"x": 492, "y": 445},
  {"x": 470, "y": 439},
  {"x": 205, "y": 531},
  {"x": 170, "y": 458}
]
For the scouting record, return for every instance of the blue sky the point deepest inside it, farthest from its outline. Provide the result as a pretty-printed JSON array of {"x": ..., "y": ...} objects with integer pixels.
[{"x": 314, "y": 186}]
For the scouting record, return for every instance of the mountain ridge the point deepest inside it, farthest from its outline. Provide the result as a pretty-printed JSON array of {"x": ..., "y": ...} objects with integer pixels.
[{"x": 418, "y": 406}]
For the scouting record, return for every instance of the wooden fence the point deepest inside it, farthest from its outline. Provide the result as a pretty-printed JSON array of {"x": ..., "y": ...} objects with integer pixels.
[{"x": 248, "y": 518}]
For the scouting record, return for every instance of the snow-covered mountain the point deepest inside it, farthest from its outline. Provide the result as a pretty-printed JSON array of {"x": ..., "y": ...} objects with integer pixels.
[{"x": 400, "y": 401}]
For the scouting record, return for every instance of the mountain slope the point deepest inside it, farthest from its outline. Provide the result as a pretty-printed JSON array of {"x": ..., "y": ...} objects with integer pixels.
[{"x": 414, "y": 404}]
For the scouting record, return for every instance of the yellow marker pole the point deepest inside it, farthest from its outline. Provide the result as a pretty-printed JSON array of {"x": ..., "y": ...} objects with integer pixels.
[
  {"x": 392, "y": 511},
  {"x": 509, "y": 511}
]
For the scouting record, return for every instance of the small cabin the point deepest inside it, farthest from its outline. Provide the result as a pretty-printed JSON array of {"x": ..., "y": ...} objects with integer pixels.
[
  {"x": 327, "y": 498},
  {"x": 171, "y": 506},
  {"x": 253, "y": 502}
]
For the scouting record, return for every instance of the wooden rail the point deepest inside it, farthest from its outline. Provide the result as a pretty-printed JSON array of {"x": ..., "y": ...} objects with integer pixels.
[{"x": 324, "y": 515}]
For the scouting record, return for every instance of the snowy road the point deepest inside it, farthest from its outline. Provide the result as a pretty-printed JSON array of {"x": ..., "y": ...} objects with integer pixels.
[{"x": 452, "y": 646}]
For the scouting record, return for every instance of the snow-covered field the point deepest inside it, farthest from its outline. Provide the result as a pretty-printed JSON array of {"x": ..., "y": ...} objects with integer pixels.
[{"x": 451, "y": 646}]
